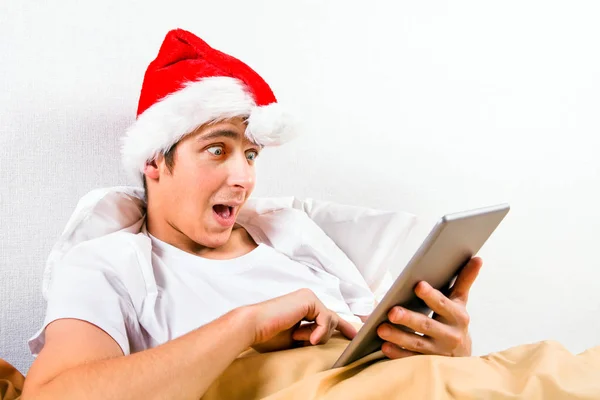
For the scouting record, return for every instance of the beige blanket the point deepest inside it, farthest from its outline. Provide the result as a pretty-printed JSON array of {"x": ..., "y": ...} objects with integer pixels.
[{"x": 543, "y": 370}]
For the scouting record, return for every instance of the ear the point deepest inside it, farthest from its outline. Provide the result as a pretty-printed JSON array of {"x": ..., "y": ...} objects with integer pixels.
[{"x": 151, "y": 170}]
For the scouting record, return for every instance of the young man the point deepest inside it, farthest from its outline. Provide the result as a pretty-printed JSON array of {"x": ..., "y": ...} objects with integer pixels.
[{"x": 161, "y": 313}]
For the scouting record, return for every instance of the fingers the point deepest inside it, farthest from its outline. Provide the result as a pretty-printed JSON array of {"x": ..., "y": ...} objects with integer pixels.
[
  {"x": 318, "y": 313},
  {"x": 326, "y": 321},
  {"x": 313, "y": 305},
  {"x": 392, "y": 351},
  {"x": 417, "y": 322},
  {"x": 305, "y": 331},
  {"x": 439, "y": 303},
  {"x": 282, "y": 313},
  {"x": 346, "y": 328},
  {"x": 302, "y": 334},
  {"x": 447, "y": 334},
  {"x": 409, "y": 341},
  {"x": 328, "y": 324},
  {"x": 465, "y": 280}
]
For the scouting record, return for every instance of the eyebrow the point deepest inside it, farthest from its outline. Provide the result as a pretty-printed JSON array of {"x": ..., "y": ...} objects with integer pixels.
[{"x": 218, "y": 134}]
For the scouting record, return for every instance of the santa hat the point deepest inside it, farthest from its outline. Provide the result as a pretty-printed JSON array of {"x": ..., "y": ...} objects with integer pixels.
[{"x": 190, "y": 84}]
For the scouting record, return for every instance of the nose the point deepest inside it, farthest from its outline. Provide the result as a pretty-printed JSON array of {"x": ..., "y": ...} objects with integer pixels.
[{"x": 241, "y": 173}]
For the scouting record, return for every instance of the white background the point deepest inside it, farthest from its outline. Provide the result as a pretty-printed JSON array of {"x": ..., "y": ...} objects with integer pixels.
[{"x": 429, "y": 107}]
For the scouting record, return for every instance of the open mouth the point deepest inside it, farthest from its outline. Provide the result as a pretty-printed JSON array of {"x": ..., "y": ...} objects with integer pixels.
[{"x": 223, "y": 211}]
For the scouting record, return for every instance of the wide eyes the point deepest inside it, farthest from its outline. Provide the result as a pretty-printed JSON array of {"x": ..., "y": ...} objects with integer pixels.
[
  {"x": 251, "y": 155},
  {"x": 216, "y": 150},
  {"x": 219, "y": 150}
]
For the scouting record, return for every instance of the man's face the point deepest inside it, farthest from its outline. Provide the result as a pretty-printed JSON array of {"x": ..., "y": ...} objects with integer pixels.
[{"x": 212, "y": 177}]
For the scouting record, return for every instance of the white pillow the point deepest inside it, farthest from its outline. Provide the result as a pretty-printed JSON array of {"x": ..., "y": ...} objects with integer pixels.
[
  {"x": 98, "y": 213},
  {"x": 372, "y": 239}
]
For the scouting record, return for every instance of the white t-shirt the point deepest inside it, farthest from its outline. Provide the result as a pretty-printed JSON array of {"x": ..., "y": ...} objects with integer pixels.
[{"x": 142, "y": 303}]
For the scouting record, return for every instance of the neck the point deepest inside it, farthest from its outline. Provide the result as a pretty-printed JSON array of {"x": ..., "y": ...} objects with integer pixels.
[
  {"x": 159, "y": 227},
  {"x": 238, "y": 243}
]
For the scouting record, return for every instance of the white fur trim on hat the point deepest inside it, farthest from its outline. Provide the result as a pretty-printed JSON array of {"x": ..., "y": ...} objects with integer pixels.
[{"x": 212, "y": 99}]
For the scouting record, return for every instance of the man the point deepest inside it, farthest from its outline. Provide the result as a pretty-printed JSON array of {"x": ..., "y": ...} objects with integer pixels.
[{"x": 161, "y": 313}]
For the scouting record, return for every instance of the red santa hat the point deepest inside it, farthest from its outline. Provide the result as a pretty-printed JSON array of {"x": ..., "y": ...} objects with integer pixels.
[{"x": 190, "y": 84}]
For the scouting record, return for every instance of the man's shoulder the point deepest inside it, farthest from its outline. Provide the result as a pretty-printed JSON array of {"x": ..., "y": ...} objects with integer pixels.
[
  {"x": 119, "y": 257},
  {"x": 113, "y": 247}
]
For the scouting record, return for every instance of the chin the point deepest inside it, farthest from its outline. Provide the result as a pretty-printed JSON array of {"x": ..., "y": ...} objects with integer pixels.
[{"x": 213, "y": 239}]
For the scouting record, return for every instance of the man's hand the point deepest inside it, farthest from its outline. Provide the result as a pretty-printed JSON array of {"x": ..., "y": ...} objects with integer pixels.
[
  {"x": 278, "y": 322},
  {"x": 447, "y": 333}
]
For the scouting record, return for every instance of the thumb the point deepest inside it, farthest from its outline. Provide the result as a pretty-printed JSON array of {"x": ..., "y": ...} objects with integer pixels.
[{"x": 465, "y": 280}]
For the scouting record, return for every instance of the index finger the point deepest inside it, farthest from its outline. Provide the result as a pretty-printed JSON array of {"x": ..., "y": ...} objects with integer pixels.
[
  {"x": 326, "y": 323},
  {"x": 346, "y": 328}
]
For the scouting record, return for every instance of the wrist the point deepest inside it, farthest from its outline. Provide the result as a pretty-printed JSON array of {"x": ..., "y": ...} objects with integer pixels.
[{"x": 243, "y": 320}]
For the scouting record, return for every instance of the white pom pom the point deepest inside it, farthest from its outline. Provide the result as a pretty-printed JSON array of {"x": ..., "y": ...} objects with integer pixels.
[{"x": 270, "y": 125}]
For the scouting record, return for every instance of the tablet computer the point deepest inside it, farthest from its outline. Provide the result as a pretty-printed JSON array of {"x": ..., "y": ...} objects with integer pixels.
[{"x": 452, "y": 242}]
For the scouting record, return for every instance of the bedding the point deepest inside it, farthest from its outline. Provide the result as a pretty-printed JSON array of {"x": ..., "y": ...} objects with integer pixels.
[{"x": 543, "y": 370}]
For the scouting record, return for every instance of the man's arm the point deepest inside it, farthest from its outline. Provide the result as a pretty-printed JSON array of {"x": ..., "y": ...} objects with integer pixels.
[{"x": 79, "y": 360}]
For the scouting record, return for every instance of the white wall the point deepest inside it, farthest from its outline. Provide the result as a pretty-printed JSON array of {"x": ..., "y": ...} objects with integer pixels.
[{"x": 429, "y": 107}]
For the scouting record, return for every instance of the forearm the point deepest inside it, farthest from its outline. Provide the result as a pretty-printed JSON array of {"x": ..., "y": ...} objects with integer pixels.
[{"x": 180, "y": 369}]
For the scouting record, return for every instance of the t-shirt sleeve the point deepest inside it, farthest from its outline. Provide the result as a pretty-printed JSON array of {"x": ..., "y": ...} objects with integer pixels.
[{"x": 87, "y": 285}]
